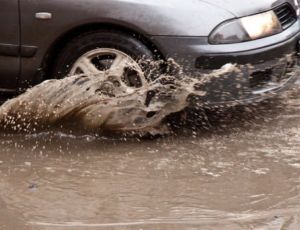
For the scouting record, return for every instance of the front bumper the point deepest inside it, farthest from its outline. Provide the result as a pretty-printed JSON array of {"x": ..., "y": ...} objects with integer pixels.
[{"x": 269, "y": 65}]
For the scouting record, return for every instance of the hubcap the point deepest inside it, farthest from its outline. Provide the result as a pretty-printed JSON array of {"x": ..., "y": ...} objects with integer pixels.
[{"x": 110, "y": 62}]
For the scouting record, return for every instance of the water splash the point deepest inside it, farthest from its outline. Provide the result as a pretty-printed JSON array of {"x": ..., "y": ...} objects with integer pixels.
[{"x": 105, "y": 103}]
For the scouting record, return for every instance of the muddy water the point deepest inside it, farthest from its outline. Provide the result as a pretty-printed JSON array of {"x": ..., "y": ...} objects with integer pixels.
[
  {"x": 243, "y": 175},
  {"x": 234, "y": 169},
  {"x": 106, "y": 102}
]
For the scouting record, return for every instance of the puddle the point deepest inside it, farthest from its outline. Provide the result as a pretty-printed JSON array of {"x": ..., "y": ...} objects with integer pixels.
[{"x": 241, "y": 171}]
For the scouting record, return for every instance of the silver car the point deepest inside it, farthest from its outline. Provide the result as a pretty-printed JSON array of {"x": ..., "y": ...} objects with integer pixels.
[{"x": 55, "y": 38}]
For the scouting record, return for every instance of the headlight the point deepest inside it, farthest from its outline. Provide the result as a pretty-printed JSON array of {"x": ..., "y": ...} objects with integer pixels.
[{"x": 246, "y": 29}]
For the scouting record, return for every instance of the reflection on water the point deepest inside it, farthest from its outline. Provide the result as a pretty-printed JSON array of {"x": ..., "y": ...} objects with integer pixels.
[{"x": 246, "y": 178}]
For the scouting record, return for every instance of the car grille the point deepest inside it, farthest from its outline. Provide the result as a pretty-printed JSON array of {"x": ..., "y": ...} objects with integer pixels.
[{"x": 286, "y": 15}]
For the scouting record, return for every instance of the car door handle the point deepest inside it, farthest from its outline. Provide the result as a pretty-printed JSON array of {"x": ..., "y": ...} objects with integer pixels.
[{"x": 43, "y": 15}]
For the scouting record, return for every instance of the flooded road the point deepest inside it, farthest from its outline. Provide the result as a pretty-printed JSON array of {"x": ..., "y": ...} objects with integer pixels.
[{"x": 233, "y": 175}]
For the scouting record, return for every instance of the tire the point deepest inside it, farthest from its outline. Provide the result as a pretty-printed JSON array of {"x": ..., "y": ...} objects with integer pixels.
[{"x": 100, "y": 39}]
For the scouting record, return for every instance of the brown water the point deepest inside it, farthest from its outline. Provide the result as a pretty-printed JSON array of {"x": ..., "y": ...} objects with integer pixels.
[
  {"x": 106, "y": 103},
  {"x": 241, "y": 170},
  {"x": 246, "y": 176}
]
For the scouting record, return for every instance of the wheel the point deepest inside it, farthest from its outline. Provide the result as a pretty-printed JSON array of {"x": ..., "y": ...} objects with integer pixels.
[{"x": 104, "y": 51}]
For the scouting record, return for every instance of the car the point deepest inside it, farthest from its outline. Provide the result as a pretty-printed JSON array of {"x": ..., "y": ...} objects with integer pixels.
[{"x": 56, "y": 38}]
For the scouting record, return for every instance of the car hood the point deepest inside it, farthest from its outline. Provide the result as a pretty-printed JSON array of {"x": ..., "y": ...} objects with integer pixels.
[{"x": 240, "y": 8}]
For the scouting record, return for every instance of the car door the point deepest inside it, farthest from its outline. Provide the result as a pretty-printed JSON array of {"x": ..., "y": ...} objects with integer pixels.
[{"x": 9, "y": 45}]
